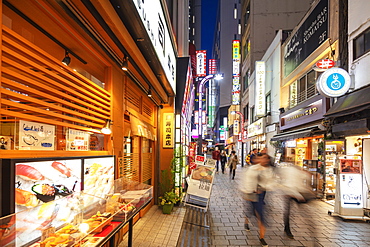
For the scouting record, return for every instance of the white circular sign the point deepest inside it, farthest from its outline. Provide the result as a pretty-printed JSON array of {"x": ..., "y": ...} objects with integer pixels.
[{"x": 333, "y": 82}]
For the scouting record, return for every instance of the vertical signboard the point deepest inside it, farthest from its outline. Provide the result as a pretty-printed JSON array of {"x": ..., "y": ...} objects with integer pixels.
[
  {"x": 36, "y": 136},
  {"x": 236, "y": 57},
  {"x": 168, "y": 130},
  {"x": 293, "y": 93},
  {"x": 260, "y": 88},
  {"x": 212, "y": 66},
  {"x": 201, "y": 57},
  {"x": 236, "y": 73}
]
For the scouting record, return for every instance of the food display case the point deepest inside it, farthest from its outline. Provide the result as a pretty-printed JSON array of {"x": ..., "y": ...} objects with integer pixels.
[
  {"x": 66, "y": 201},
  {"x": 334, "y": 151},
  {"x": 32, "y": 182},
  {"x": 79, "y": 219}
]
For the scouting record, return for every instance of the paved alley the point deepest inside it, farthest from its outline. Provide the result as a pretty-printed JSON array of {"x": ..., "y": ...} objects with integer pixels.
[{"x": 310, "y": 223}]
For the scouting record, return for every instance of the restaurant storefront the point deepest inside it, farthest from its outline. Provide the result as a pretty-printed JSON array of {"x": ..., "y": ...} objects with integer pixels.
[{"x": 63, "y": 80}]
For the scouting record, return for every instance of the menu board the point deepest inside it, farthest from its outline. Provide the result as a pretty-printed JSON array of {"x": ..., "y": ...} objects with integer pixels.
[
  {"x": 351, "y": 190},
  {"x": 201, "y": 181},
  {"x": 44, "y": 181}
]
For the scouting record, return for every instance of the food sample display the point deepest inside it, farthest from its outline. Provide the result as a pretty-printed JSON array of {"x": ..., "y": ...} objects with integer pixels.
[
  {"x": 74, "y": 219},
  {"x": 44, "y": 181},
  {"x": 99, "y": 176}
]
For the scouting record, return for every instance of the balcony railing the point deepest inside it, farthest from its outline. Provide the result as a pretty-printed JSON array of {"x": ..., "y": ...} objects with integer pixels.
[{"x": 304, "y": 95}]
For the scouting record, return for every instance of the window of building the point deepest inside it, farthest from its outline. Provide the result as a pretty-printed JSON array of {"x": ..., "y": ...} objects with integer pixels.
[
  {"x": 303, "y": 89},
  {"x": 361, "y": 44},
  {"x": 246, "y": 113},
  {"x": 246, "y": 80},
  {"x": 252, "y": 116},
  {"x": 246, "y": 15},
  {"x": 268, "y": 103}
]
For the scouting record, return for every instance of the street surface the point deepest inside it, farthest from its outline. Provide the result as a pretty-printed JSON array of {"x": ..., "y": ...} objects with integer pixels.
[{"x": 311, "y": 224}]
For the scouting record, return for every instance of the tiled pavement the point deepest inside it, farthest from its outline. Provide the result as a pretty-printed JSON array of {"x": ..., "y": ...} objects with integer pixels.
[
  {"x": 310, "y": 223},
  {"x": 156, "y": 229}
]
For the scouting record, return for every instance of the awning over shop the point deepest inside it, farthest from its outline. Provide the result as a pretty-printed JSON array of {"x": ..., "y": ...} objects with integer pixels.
[
  {"x": 294, "y": 134},
  {"x": 351, "y": 103},
  {"x": 356, "y": 127},
  {"x": 139, "y": 128}
]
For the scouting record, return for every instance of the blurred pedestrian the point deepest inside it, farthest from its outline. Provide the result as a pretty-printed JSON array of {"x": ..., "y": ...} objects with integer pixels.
[
  {"x": 253, "y": 155},
  {"x": 248, "y": 158},
  {"x": 256, "y": 181},
  {"x": 233, "y": 161},
  {"x": 295, "y": 186},
  {"x": 216, "y": 157},
  {"x": 223, "y": 160}
]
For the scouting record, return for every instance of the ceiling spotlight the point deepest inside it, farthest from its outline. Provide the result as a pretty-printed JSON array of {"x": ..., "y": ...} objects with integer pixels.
[
  {"x": 125, "y": 63},
  {"x": 150, "y": 93},
  {"x": 106, "y": 130},
  {"x": 66, "y": 60}
]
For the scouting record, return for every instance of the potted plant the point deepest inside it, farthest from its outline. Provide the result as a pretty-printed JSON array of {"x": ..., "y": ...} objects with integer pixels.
[{"x": 168, "y": 200}]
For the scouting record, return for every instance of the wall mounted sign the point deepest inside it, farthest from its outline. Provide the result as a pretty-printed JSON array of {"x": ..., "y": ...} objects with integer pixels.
[
  {"x": 168, "y": 130},
  {"x": 156, "y": 26},
  {"x": 307, "y": 113},
  {"x": 236, "y": 73},
  {"x": 324, "y": 64},
  {"x": 260, "y": 88},
  {"x": 78, "y": 140},
  {"x": 201, "y": 57},
  {"x": 256, "y": 128},
  {"x": 36, "y": 136},
  {"x": 334, "y": 82},
  {"x": 310, "y": 35},
  {"x": 212, "y": 66},
  {"x": 293, "y": 95}
]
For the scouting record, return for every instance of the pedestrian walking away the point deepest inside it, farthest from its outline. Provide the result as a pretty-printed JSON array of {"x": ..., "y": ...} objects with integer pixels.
[
  {"x": 223, "y": 160},
  {"x": 216, "y": 157},
  {"x": 233, "y": 162}
]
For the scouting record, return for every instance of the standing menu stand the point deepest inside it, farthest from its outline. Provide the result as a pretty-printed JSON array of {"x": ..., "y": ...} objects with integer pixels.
[
  {"x": 349, "y": 193},
  {"x": 200, "y": 185}
]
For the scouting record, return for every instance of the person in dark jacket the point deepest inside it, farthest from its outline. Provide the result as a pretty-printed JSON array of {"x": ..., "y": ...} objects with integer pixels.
[
  {"x": 216, "y": 157},
  {"x": 223, "y": 160}
]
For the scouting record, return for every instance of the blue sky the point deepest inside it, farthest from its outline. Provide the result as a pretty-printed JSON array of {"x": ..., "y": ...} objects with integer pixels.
[{"x": 209, "y": 11}]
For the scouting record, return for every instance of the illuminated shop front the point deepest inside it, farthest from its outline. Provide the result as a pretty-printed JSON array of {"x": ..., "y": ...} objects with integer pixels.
[
  {"x": 351, "y": 159},
  {"x": 256, "y": 134}
]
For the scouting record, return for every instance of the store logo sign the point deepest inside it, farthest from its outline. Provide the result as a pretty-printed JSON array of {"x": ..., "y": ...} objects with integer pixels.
[{"x": 334, "y": 82}]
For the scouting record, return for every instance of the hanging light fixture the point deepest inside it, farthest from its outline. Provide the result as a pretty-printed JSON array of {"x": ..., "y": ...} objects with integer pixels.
[
  {"x": 150, "y": 93},
  {"x": 125, "y": 63},
  {"x": 66, "y": 60},
  {"x": 106, "y": 130}
]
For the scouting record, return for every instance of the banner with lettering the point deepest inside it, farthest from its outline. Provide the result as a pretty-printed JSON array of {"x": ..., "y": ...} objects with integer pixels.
[{"x": 36, "y": 136}]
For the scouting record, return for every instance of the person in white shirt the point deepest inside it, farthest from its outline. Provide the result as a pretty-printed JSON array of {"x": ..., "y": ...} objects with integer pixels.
[{"x": 257, "y": 180}]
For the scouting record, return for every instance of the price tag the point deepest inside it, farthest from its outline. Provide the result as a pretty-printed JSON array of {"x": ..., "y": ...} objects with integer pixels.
[{"x": 46, "y": 233}]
